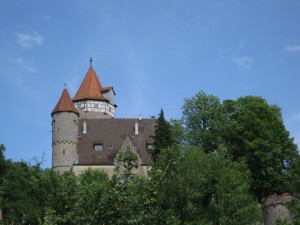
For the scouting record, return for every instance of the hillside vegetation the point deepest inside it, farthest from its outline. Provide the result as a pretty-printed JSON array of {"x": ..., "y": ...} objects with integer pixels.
[{"x": 211, "y": 167}]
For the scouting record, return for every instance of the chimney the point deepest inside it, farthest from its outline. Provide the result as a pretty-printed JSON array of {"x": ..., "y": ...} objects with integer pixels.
[
  {"x": 136, "y": 128},
  {"x": 84, "y": 127}
]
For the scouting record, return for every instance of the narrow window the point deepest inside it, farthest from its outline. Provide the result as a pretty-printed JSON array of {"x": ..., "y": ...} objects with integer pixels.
[{"x": 150, "y": 146}]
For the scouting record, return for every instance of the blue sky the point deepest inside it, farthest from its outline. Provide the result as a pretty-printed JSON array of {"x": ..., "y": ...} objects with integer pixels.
[{"x": 154, "y": 53}]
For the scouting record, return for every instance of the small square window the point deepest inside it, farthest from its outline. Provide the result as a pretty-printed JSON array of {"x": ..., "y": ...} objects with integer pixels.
[
  {"x": 110, "y": 147},
  {"x": 150, "y": 146},
  {"x": 98, "y": 147}
]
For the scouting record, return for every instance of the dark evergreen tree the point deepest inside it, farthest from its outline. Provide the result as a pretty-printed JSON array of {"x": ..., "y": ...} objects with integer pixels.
[
  {"x": 3, "y": 162},
  {"x": 163, "y": 137}
]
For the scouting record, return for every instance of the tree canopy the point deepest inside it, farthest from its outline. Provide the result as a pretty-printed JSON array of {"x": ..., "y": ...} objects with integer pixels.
[
  {"x": 202, "y": 118},
  {"x": 251, "y": 130},
  {"x": 210, "y": 168},
  {"x": 185, "y": 185},
  {"x": 256, "y": 133},
  {"x": 200, "y": 188}
]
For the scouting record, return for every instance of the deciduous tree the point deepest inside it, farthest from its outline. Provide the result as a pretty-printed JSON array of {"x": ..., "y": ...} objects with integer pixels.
[
  {"x": 255, "y": 132},
  {"x": 203, "y": 119},
  {"x": 199, "y": 188}
]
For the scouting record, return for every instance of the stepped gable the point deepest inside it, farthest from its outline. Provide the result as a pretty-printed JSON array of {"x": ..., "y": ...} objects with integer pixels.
[
  {"x": 90, "y": 88},
  {"x": 111, "y": 133},
  {"x": 65, "y": 103}
]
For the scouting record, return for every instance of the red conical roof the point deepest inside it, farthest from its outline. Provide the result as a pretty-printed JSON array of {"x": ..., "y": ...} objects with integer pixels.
[
  {"x": 90, "y": 88},
  {"x": 65, "y": 103}
]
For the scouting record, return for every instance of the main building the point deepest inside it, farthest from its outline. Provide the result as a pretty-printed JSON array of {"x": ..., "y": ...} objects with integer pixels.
[{"x": 86, "y": 134}]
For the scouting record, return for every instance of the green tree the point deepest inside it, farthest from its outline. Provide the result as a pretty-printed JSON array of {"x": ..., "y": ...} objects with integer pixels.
[
  {"x": 126, "y": 161},
  {"x": 203, "y": 119},
  {"x": 177, "y": 129},
  {"x": 163, "y": 137},
  {"x": 21, "y": 198},
  {"x": 199, "y": 188},
  {"x": 255, "y": 132},
  {"x": 62, "y": 199},
  {"x": 94, "y": 199},
  {"x": 4, "y": 166},
  {"x": 252, "y": 131},
  {"x": 128, "y": 190},
  {"x": 3, "y": 171},
  {"x": 3, "y": 162}
]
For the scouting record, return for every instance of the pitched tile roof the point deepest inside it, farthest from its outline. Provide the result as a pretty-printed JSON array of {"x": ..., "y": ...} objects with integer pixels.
[
  {"x": 105, "y": 89},
  {"x": 65, "y": 103},
  {"x": 112, "y": 133},
  {"x": 90, "y": 88}
]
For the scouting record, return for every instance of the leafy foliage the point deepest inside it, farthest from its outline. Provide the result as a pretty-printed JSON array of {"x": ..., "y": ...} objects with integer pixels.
[
  {"x": 209, "y": 168},
  {"x": 126, "y": 161},
  {"x": 252, "y": 131},
  {"x": 204, "y": 188},
  {"x": 22, "y": 196},
  {"x": 255, "y": 132},
  {"x": 203, "y": 118}
]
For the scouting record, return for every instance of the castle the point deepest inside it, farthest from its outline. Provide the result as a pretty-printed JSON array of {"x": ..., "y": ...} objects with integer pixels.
[{"x": 86, "y": 134}]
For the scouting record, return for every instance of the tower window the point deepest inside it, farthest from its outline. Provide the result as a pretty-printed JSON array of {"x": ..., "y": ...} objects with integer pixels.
[
  {"x": 150, "y": 146},
  {"x": 64, "y": 152},
  {"x": 98, "y": 147}
]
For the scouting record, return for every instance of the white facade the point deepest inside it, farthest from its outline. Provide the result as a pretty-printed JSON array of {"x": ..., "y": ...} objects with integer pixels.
[{"x": 95, "y": 106}]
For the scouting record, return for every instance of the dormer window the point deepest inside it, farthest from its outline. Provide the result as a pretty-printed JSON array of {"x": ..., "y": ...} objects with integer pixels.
[{"x": 98, "y": 147}]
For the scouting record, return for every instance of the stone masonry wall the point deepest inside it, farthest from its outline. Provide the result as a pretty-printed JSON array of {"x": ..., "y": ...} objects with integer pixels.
[
  {"x": 275, "y": 207},
  {"x": 64, "y": 140}
]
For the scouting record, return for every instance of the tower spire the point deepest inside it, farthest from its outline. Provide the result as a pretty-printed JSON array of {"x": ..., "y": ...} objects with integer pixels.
[
  {"x": 90, "y": 87},
  {"x": 65, "y": 103}
]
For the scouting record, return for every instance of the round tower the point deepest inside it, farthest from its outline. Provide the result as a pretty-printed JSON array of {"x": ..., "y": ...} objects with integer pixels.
[
  {"x": 64, "y": 134},
  {"x": 276, "y": 207}
]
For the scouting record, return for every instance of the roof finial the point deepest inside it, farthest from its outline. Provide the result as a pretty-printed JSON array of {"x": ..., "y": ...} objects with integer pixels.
[
  {"x": 91, "y": 61},
  {"x": 65, "y": 86}
]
